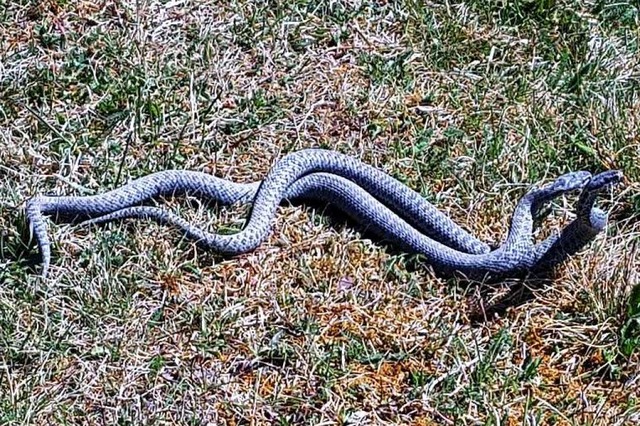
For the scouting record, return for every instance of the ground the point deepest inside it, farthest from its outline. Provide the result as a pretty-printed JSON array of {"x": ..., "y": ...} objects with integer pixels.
[{"x": 467, "y": 102}]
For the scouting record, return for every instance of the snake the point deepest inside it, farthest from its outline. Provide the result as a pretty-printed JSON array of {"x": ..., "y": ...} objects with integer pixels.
[
  {"x": 381, "y": 203},
  {"x": 589, "y": 222}
]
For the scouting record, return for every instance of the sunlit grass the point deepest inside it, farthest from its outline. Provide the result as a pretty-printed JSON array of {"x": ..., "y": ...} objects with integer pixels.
[{"x": 469, "y": 103}]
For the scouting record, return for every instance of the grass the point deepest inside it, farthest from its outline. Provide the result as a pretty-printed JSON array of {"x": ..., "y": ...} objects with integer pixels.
[{"x": 469, "y": 103}]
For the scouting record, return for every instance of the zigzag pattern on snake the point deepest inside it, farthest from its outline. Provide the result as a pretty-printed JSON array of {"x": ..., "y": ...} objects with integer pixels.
[{"x": 370, "y": 196}]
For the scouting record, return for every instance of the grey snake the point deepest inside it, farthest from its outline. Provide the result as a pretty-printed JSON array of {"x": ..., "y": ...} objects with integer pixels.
[{"x": 382, "y": 204}]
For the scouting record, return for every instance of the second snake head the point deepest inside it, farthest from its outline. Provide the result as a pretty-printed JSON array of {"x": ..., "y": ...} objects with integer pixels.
[{"x": 604, "y": 180}]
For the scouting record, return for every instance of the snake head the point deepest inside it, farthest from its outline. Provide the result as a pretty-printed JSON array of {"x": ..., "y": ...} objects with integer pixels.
[
  {"x": 565, "y": 183},
  {"x": 571, "y": 181}
]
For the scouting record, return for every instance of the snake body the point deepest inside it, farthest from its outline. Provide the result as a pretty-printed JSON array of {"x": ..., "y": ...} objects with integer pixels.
[{"x": 386, "y": 206}]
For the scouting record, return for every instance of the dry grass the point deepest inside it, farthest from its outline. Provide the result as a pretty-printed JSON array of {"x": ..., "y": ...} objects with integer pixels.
[{"x": 468, "y": 103}]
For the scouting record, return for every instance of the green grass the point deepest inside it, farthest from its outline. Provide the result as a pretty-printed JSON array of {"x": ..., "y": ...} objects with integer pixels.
[{"x": 469, "y": 103}]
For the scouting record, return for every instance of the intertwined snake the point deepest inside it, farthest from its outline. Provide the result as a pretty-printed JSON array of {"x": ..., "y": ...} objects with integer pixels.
[{"x": 379, "y": 202}]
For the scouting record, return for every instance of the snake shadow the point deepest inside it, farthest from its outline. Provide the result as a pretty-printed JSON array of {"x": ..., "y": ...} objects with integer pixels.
[
  {"x": 17, "y": 246},
  {"x": 482, "y": 304},
  {"x": 520, "y": 288}
]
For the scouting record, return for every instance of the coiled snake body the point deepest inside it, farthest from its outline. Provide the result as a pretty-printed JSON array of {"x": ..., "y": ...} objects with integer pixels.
[{"x": 386, "y": 206}]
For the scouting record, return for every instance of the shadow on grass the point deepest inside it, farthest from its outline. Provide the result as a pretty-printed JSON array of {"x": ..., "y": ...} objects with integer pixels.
[
  {"x": 522, "y": 287},
  {"x": 16, "y": 245},
  {"x": 484, "y": 306}
]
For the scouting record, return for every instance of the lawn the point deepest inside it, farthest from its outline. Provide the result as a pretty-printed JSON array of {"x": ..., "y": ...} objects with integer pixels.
[{"x": 469, "y": 103}]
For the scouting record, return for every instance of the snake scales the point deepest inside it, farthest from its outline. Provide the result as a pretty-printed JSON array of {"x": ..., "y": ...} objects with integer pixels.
[{"x": 384, "y": 205}]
